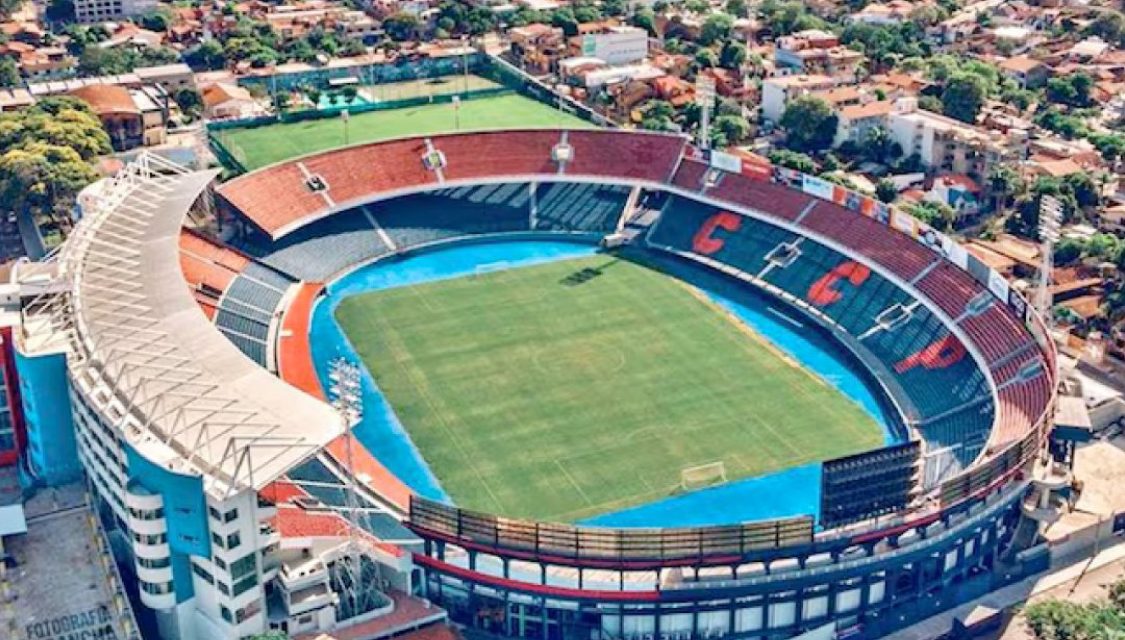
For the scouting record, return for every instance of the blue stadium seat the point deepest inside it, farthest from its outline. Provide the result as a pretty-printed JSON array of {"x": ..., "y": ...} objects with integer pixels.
[
  {"x": 751, "y": 245},
  {"x": 323, "y": 248},
  {"x": 579, "y": 207},
  {"x": 451, "y": 213}
]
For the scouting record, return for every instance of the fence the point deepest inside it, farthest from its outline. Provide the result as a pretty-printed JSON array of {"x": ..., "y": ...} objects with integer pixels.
[{"x": 560, "y": 541}]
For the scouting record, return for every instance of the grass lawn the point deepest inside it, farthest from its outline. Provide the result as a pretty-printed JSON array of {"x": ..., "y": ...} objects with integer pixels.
[
  {"x": 533, "y": 393},
  {"x": 272, "y": 143}
]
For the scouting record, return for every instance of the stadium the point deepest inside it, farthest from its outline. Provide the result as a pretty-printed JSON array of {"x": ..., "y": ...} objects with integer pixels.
[{"x": 550, "y": 383}]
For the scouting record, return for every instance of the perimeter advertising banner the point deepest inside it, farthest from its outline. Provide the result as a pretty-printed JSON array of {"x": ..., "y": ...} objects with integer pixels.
[
  {"x": 813, "y": 186},
  {"x": 726, "y": 162}
]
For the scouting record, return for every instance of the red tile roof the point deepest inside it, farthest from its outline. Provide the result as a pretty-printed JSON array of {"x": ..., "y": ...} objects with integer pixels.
[{"x": 107, "y": 99}]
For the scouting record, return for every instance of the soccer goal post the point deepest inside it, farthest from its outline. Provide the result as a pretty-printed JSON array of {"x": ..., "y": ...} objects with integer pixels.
[{"x": 703, "y": 475}]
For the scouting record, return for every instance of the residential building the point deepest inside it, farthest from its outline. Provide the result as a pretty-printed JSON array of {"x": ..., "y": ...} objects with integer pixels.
[
  {"x": 614, "y": 44},
  {"x": 172, "y": 77},
  {"x": 816, "y": 51},
  {"x": 132, "y": 117},
  {"x": 222, "y": 100},
  {"x": 538, "y": 47},
  {"x": 104, "y": 10},
  {"x": 855, "y": 121},
  {"x": 947, "y": 145},
  {"x": 13, "y": 99},
  {"x": 777, "y": 92},
  {"x": 893, "y": 12},
  {"x": 1028, "y": 72}
]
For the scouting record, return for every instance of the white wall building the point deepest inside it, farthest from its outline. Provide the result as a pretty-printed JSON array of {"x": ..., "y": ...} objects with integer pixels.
[
  {"x": 777, "y": 92},
  {"x": 103, "y": 10},
  {"x": 615, "y": 45}
]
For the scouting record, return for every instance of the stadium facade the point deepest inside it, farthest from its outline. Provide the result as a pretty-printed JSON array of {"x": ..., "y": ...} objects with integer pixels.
[{"x": 229, "y": 478}]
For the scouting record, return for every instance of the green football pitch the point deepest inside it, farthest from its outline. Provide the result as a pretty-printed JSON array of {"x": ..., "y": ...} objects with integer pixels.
[
  {"x": 574, "y": 388},
  {"x": 258, "y": 146}
]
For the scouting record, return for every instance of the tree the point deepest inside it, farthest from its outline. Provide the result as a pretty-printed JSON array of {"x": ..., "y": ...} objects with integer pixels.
[
  {"x": 732, "y": 55},
  {"x": 1109, "y": 26},
  {"x": 1085, "y": 191},
  {"x": 784, "y": 18},
  {"x": 936, "y": 214},
  {"x": 738, "y": 8},
  {"x": 645, "y": 19},
  {"x": 401, "y": 25},
  {"x": 1003, "y": 183},
  {"x": 877, "y": 145},
  {"x": 963, "y": 96},
  {"x": 657, "y": 116},
  {"x": 886, "y": 191},
  {"x": 793, "y": 160},
  {"x": 809, "y": 124},
  {"x": 734, "y": 128},
  {"x": 43, "y": 179},
  {"x": 1073, "y": 90},
  {"x": 208, "y": 55},
  {"x": 155, "y": 20},
  {"x": 9, "y": 73},
  {"x": 706, "y": 58},
  {"x": 930, "y": 103},
  {"x": 614, "y": 8},
  {"x": 1103, "y": 246},
  {"x": 1068, "y": 250},
  {"x": 564, "y": 19},
  {"x": 190, "y": 101},
  {"x": 716, "y": 28}
]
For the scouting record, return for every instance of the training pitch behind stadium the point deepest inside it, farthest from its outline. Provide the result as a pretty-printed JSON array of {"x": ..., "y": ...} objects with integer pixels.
[
  {"x": 574, "y": 388},
  {"x": 256, "y": 147}
]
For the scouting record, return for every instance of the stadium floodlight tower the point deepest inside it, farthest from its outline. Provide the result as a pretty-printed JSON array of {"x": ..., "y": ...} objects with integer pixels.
[
  {"x": 704, "y": 97},
  {"x": 1050, "y": 220}
]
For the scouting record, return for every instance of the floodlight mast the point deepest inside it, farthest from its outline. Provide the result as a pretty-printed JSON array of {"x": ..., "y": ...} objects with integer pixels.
[
  {"x": 705, "y": 98},
  {"x": 1050, "y": 221}
]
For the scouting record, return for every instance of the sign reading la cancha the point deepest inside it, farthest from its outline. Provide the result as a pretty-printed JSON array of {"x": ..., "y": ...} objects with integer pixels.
[{"x": 95, "y": 624}]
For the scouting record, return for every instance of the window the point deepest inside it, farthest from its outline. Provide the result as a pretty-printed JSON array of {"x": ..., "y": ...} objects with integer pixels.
[
  {"x": 223, "y": 588},
  {"x": 150, "y": 539},
  {"x": 156, "y": 589},
  {"x": 145, "y": 514},
  {"x": 243, "y": 566},
  {"x": 162, "y": 563},
  {"x": 218, "y": 540},
  {"x": 244, "y": 585},
  {"x": 233, "y": 540},
  {"x": 203, "y": 574},
  {"x": 219, "y": 563},
  {"x": 225, "y": 613},
  {"x": 214, "y": 513},
  {"x": 230, "y": 515}
]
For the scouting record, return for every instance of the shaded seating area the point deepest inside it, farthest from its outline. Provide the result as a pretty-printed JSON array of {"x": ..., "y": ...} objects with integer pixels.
[
  {"x": 322, "y": 249},
  {"x": 246, "y": 311},
  {"x": 451, "y": 213},
  {"x": 580, "y": 207}
]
